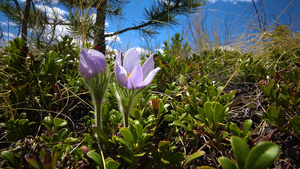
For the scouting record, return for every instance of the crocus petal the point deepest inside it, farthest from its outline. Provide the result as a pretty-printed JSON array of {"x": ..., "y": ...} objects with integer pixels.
[
  {"x": 98, "y": 61},
  {"x": 85, "y": 71},
  {"x": 99, "y": 65},
  {"x": 135, "y": 78},
  {"x": 121, "y": 74},
  {"x": 85, "y": 64},
  {"x": 95, "y": 53},
  {"x": 149, "y": 78},
  {"x": 84, "y": 57},
  {"x": 131, "y": 60},
  {"x": 148, "y": 66},
  {"x": 118, "y": 59},
  {"x": 92, "y": 62}
]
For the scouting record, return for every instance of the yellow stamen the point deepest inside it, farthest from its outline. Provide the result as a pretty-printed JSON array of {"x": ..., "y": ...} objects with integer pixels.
[{"x": 128, "y": 75}]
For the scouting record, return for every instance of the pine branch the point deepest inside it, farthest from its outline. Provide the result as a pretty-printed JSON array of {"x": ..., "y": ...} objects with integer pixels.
[{"x": 164, "y": 13}]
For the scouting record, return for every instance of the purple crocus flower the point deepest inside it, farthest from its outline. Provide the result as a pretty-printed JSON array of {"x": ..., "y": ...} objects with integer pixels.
[
  {"x": 92, "y": 62},
  {"x": 130, "y": 73}
]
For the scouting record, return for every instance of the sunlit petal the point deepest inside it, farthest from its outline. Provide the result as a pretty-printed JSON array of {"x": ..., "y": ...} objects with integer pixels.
[
  {"x": 131, "y": 59},
  {"x": 95, "y": 54},
  {"x": 135, "y": 78},
  {"x": 84, "y": 57},
  {"x": 148, "y": 66},
  {"x": 91, "y": 63},
  {"x": 149, "y": 78},
  {"x": 119, "y": 59},
  {"x": 121, "y": 74}
]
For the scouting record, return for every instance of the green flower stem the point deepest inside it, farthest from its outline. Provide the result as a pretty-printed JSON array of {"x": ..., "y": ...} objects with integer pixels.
[
  {"x": 98, "y": 113},
  {"x": 126, "y": 99},
  {"x": 126, "y": 108},
  {"x": 98, "y": 86}
]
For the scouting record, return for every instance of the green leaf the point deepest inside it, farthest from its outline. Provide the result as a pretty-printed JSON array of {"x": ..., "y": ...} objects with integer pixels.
[
  {"x": 262, "y": 156},
  {"x": 272, "y": 72},
  {"x": 145, "y": 138},
  {"x": 96, "y": 158},
  {"x": 163, "y": 145},
  {"x": 178, "y": 123},
  {"x": 190, "y": 110},
  {"x": 208, "y": 111},
  {"x": 55, "y": 157},
  {"x": 127, "y": 156},
  {"x": 212, "y": 91},
  {"x": 48, "y": 121},
  {"x": 61, "y": 133},
  {"x": 226, "y": 163},
  {"x": 127, "y": 135},
  {"x": 32, "y": 160},
  {"x": 269, "y": 86},
  {"x": 88, "y": 139},
  {"x": 193, "y": 156},
  {"x": 111, "y": 164},
  {"x": 296, "y": 123},
  {"x": 177, "y": 157},
  {"x": 23, "y": 125},
  {"x": 223, "y": 135},
  {"x": 218, "y": 114},
  {"x": 125, "y": 143},
  {"x": 247, "y": 126},
  {"x": 165, "y": 161},
  {"x": 103, "y": 137},
  {"x": 22, "y": 116},
  {"x": 219, "y": 89},
  {"x": 58, "y": 123},
  {"x": 234, "y": 129},
  {"x": 205, "y": 167},
  {"x": 139, "y": 131},
  {"x": 10, "y": 158},
  {"x": 240, "y": 150}
]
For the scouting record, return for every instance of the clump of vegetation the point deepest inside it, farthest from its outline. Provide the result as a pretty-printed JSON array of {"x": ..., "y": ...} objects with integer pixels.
[{"x": 187, "y": 117}]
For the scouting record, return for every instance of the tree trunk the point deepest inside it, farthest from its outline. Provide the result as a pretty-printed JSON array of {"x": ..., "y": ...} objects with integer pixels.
[
  {"x": 25, "y": 19},
  {"x": 99, "y": 39}
]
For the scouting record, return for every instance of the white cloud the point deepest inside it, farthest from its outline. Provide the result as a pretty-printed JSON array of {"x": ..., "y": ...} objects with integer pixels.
[
  {"x": 113, "y": 38},
  {"x": 108, "y": 48},
  {"x": 212, "y": 1},
  {"x": 160, "y": 50},
  {"x": 11, "y": 35},
  {"x": 93, "y": 16},
  {"x": 143, "y": 51},
  {"x": 167, "y": 2},
  {"x": 53, "y": 12},
  {"x": 6, "y": 24}
]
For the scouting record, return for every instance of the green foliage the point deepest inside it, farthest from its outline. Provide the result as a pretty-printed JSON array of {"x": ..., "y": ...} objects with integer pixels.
[
  {"x": 185, "y": 119},
  {"x": 245, "y": 133},
  {"x": 56, "y": 130},
  {"x": 177, "y": 48},
  {"x": 17, "y": 129},
  {"x": 35, "y": 81},
  {"x": 10, "y": 158},
  {"x": 134, "y": 141},
  {"x": 261, "y": 156}
]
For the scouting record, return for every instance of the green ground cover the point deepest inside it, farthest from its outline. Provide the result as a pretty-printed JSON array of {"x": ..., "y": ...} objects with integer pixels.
[{"x": 193, "y": 115}]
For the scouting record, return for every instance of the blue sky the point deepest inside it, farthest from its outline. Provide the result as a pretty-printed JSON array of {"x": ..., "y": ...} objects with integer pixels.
[{"x": 238, "y": 14}]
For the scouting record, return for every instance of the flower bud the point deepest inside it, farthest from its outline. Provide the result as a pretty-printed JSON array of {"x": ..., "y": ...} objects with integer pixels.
[{"x": 92, "y": 62}]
